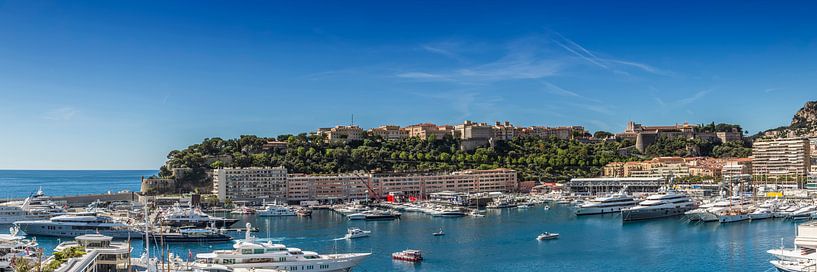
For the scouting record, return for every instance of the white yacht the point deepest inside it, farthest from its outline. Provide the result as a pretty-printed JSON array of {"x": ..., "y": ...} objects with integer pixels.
[
  {"x": 251, "y": 254},
  {"x": 77, "y": 225},
  {"x": 183, "y": 217},
  {"x": 803, "y": 257},
  {"x": 36, "y": 206},
  {"x": 713, "y": 211},
  {"x": 607, "y": 204},
  {"x": 12, "y": 246},
  {"x": 353, "y": 233},
  {"x": 451, "y": 212},
  {"x": 276, "y": 210},
  {"x": 761, "y": 213},
  {"x": 803, "y": 213},
  {"x": 664, "y": 204}
]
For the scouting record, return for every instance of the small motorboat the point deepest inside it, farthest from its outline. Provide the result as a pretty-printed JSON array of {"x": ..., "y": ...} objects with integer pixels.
[
  {"x": 547, "y": 236},
  {"x": 408, "y": 255},
  {"x": 476, "y": 214},
  {"x": 523, "y": 206},
  {"x": 439, "y": 233},
  {"x": 547, "y": 207},
  {"x": 353, "y": 233}
]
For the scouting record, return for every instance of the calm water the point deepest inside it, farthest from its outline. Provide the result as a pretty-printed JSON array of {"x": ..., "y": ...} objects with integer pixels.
[
  {"x": 21, "y": 183},
  {"x": 502, "y": 241}
]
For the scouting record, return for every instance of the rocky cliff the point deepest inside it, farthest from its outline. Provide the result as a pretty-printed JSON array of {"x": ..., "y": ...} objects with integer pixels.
[{"x": 803, "y": 124}]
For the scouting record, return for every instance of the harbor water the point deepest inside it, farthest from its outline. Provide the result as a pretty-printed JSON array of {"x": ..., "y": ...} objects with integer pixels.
[
  {"x": 504, "y": 240},
  {"x": 21, "y": 183}
]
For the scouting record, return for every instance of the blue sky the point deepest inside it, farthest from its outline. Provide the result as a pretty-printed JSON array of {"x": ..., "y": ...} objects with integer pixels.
[{"x": 117, "y": 84}]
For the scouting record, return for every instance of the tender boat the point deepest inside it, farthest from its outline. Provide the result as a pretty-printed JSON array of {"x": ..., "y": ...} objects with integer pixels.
[
  {"x": 547, "y": 236},
  {"x": 439, "y": 233},
  {"x": 408, "y": 255}
]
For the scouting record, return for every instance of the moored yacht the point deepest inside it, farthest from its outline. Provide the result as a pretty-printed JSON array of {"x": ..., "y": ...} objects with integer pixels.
[
  {"x": 181, "y": 217},
  {"x": 670, "y": 203},
  {"x": 803, "y": 257},
  {"x": 13, "y": 246},
  {"x": 251, "y": 254},
  {"x": 608, "y": 204},
  {"x": 276, "y": 210},
  {"x": 76, "y": 225}
]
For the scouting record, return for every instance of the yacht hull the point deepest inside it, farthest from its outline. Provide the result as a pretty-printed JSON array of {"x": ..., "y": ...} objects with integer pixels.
[
  {"x": 644, "y": 214},
  {"x": 603, "y": 210},
  {"x": 338, "y": 262},
  {"x": 42, "y": 229}
]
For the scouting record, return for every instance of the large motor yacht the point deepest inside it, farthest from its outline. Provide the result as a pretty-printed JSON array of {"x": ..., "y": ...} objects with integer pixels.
[
  {"x": 76, "y": 225},
  {"x": 36, "y": 206},
  {"x": 251, "y": 254},
  {"x": 276, "y": 210},
  {"x": 607, "y": 204},
  {"x": 665, "y": 204},
  {"x": 187, "y": 217}
]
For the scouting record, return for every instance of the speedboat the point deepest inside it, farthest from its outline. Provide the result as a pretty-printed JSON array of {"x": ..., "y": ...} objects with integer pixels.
[
  {"x": 547, "y": 236},
  {"x": 249, "y": 253},
  {"x": 439, "y": 233},
  {"x": 608, "y": 204},
  {"x": 670, "y": 203},
  {"x": 761, "y": 213},
  {"x": 353, "y": 233},
  {"x": 356, "y": 216}
]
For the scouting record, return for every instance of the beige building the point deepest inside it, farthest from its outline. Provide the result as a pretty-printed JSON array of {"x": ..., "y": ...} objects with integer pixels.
[
  {"x": 781, "y": 161},
  {"x": 424, "y": 130},
  {"x": 250, "y": 184},
  {"x": 473, "y": 135},
  {"x": 329, "y": 188},
  {"x": 390, "y": 132},
  {"x": 342, "y": 133},
  {"x": 505, "y": 131}
]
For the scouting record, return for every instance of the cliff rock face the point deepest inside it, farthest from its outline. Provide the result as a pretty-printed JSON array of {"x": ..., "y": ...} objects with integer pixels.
[
  {"x": 806, "y": 117},
  {"x": 803, "y": 124}
]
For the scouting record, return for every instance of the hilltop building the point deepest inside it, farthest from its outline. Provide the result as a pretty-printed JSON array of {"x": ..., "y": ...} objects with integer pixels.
[
  {"x": 341, "y": 133},
  {"x": 644, "y": 136},
  {"x": 390, "y": 132}
]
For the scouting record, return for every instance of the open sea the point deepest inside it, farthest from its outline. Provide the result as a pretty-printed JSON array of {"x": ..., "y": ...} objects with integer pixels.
[{"x": 504, "y": 240}]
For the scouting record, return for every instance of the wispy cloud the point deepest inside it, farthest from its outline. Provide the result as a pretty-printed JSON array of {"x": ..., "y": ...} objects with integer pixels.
[
  {"x": 611, "y": 64},
  {"x": 771, "y": 90},
  {"x": 695, "y": 97},
  {"x": 61, "y": 114},
  {"x": 553, "y": 89},
  {"x": 534, "y": 57}
]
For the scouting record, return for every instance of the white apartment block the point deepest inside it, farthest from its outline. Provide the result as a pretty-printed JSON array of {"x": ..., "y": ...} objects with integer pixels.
[
  {"x": 269, "y": 183},
  {"x": 784, "y": 158}
]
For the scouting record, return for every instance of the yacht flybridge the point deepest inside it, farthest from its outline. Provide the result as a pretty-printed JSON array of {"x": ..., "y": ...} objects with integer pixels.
[
  {"x": 251, "y": 254},
  {"x": 608, "y": 204}
]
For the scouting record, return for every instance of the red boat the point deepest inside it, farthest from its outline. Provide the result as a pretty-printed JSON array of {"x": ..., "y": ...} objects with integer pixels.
[{"x": 409, "y": 255}]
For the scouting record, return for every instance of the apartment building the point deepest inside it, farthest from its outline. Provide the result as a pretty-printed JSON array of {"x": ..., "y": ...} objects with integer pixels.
[
  {"x": 341, "y": 133},
  {"x": 331, "y": 188},
  {"x": 424, "y": 130},
  {"x": 505, "y": 131},
  {"x": 782, "y": 161},
  {"x": 390, "y": 132},
  {"x": 250, "y": 184}
]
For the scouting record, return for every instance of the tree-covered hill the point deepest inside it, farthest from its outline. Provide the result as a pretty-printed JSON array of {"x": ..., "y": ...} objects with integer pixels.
[{"x": 534, "y": 158}]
